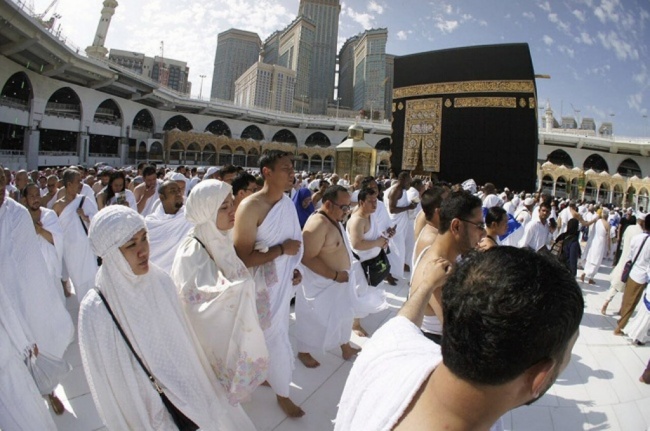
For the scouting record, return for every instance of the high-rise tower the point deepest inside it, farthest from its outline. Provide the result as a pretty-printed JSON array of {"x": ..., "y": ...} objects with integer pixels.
[
  {"x": 237, "y": 50},
  {"x": 97, "y": 49},
  {"x": 325, "y": 15}
]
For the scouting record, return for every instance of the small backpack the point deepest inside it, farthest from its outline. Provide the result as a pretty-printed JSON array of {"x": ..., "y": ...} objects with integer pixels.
[{"x": 558, "y": 250}]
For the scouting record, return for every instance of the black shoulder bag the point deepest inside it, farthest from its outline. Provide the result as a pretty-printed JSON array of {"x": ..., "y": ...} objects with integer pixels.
[
  {"x": 630, "y": 263},
  {"x": 182, "y": 422}
]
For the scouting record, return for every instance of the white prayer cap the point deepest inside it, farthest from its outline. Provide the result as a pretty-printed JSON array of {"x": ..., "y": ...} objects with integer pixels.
[
  {"x": 211, "y": 171},
  {"x": 112, "y": 227},
  {"x": 640, "y": 215},
  {"x": 177, "y": 176},
  {"x": 529, "y": 201},
  {"x": 200, "y": 169},
  {"x": 204, "y": 201},
  {"x": 469, "y": 185}
]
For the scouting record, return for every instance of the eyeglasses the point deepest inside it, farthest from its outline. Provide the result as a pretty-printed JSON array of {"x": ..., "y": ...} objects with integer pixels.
[
  {"x": 480, "y": 226},
  {"x": 344, "y": 208}
]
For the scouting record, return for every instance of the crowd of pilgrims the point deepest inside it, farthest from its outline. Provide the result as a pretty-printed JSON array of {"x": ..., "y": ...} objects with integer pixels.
[{"x": 185, "y": 277}]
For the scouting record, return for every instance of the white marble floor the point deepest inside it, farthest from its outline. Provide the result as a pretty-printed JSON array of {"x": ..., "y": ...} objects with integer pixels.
[{"x": 599, "y": 390}]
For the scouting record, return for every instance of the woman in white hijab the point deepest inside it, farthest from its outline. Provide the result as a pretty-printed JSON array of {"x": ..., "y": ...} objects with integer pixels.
[
  {"x": 144, "y": 301},
  {"x": 218, "y": 293}
]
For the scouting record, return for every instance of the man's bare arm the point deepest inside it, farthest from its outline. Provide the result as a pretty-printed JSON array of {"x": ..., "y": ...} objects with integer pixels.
[
  {"x": 245, "y": 235},
  {"x": 392, "y": 202},
  {"x": 356, "y": 225},
  {"x": 432, "y": 278}
]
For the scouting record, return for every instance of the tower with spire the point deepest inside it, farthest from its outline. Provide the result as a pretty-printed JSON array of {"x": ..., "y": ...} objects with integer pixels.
[{"x": 97, "y": 49}]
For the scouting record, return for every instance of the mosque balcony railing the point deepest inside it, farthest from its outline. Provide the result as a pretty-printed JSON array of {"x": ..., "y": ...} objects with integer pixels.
[
  {"x": 13, "y": 102},
  {"x": 104, "y": 155},
  {"x": 115, "y": 122},
  {"x": 145, "y": 129},
  {"x": 12, "y": 153},
  {"x": 57, "y": 153}
]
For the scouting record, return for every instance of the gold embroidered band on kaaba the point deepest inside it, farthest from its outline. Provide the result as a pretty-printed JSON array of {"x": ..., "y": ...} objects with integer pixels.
[
  {"x": 500, "y": 86},
  {"x": 422, "y": 134}
]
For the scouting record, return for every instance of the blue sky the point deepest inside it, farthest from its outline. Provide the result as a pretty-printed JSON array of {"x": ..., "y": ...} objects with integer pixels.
[{"x": 596, "y": 51}]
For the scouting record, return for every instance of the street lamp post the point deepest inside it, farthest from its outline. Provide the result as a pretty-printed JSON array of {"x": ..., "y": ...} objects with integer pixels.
[
  {"x": 201, "y": 87},
  {"x": 645, "y": 117},
  {"x": 371, "y": 112}
]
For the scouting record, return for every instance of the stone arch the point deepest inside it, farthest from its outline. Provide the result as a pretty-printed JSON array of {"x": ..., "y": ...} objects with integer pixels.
[
  {"x": 17, "y": 91},
  {"x": 618, "y": 195},
  {"x": 219, "y": 128},
  {"x": 209, "y": 155},
  {"x": 547, "y": 184},
  {"x": 629, "y": 168},
  {"x": 301, "y": 162},
  {"x": 252, "y": 158},
  {"x": 225, "y": 155},
  {"x": 142, "y": 151},
  {"x": 252, "y": 132},
  {"x": 603, "y": 193},
  {"x": 328, "y": 164},
  {"x": 179, "y": 122},
  {"x": 642, "y": 199},
  {"x": 108, "y": 112},
  {"x": 176, "y": 153},
  {"x": 590, "y": 190},
  {"x": 559, "y": 158},
  {"x": 318, "y": 139},
  {"x": 595, "y": 162},
  {"x": 316, "y": 162},
  {"x": 193, "y": 154},
  {"x": 64, "y": 102},
  {"x": 239, "y": 157},
  {"x": 383, "y": 145},
  {"x": 286, "y": 136},
  {"x": 561, "y": 187},
  {"x": 143, "y": 121},
  {"x": 156, "y": 151}
]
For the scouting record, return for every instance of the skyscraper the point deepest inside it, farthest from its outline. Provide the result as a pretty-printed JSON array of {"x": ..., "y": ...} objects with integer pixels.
[
  {"x": 370, "y": 71},
  {"x": 266, "y": 86},
  {"x": 237, "y": 50},
  {"x": 295, "y": 52},
  {"x": 346, "y": 72},
  {"x": 325, "y": 15}
]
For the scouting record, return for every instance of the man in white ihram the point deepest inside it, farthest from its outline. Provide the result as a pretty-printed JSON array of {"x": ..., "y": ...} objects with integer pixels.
[{"x": 398, "y": 207}]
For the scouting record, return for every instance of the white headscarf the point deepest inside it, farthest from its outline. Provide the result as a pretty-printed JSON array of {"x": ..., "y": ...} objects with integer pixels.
[
  {"x": 148, "y": 310},
  {"x": 218, "y": 291}
]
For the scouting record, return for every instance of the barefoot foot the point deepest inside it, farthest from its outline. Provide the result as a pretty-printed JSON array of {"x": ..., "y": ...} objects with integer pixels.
[
  {"x": 289, "y": 408},
  {"x": 56, "y": 404},
  {"x": 356, "y": 327},
  {"x": 308, "y": 360},
  {"x": 348, "y": 352}
]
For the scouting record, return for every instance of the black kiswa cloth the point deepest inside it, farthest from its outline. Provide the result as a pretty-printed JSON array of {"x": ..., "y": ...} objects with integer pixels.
[{"x": 467, "y": 113}]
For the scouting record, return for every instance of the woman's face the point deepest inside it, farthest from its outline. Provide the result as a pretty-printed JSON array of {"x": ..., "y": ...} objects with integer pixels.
[
  {"x": 226, "y": 214},
  {"x": 136, "y": 252},
  {"x": 306, "y": 202},
  {"x": 117, "y": 185}
]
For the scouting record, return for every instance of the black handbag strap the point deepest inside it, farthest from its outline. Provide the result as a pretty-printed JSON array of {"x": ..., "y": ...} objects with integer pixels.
[
  {"x": 152, "y": 379},
  {"x": 639, "y": 252},
  {"x": 81, "y": 204}
]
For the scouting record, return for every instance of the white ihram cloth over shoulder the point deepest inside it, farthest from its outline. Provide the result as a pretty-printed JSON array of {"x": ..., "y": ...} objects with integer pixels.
[
  {"x": 32, "y": 292},
  {"x": 413, "y": 195},
  {"x": 597, "y": 249},
  {"x": 637, "y": 328},
  {"x": 397, "y": 244},
  {"x": 388, "y": 372},
  {"x": 385, "y": 377},
  {"x": 79, "y": 259},
  {"x": 166, "y": 231},
  {"x": 21, "y": 404},
  {"x": 280, "y": 224},
  {"x": 324, "y": 311},
  {"x": 52, "y": 254},
  {"x": 150, "y": 314},
  {"x": 219, "y": 297}
]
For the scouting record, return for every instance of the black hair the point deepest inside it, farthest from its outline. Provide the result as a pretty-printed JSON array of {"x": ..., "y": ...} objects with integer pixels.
[
  {"x": 270, "y": 159},
  {"x": 241, "y": 182},
  {"x": 69, "y": 175},
  {"x": 497, "y": 324},
  {"x": 148, "y": 170},
  {"x": 494, "y": 215},
  {"x": 364, "y": 193},
  {"x": 227, "y": 169},
  {"x": 109, "y": 190},
  {"x": 367, "y": 180},
  {"x": 332, "y": 192},
  {"x": 431, "y": 201},
  {"x": 458, "y": 205}
]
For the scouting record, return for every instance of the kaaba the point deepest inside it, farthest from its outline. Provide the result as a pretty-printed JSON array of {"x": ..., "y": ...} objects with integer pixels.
[{"x": 467, "y": 113}]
